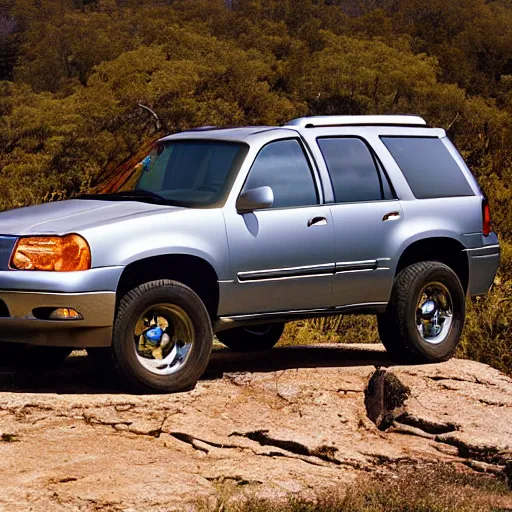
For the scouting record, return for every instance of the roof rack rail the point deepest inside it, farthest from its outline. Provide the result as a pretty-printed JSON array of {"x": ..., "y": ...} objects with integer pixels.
[{"x": 325, "y": 121}]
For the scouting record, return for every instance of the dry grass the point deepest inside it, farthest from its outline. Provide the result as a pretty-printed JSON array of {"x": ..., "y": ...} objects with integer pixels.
[
  {"x": 334, "y": 329},
  {"x": 427, "y": 488}
]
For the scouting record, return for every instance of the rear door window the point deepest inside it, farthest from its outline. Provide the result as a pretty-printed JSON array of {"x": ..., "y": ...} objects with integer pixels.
[
  {"x": 354, "y": 172},
  {"x": 428, "y": 167}
]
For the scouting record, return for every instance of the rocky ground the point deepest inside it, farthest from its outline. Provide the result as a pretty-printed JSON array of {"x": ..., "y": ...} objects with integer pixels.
[{"x": 293, "y": 420}]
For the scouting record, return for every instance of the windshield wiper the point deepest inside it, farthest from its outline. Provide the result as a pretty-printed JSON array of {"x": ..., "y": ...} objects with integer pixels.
[
  {"x": 140, "y": 193},
  {"x": 130, "y": 195}
]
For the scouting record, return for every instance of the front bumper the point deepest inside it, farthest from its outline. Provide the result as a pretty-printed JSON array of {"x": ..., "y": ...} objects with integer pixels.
[
  {"x": 21, "y": 324},
  {"x": 92, "y": 293}
]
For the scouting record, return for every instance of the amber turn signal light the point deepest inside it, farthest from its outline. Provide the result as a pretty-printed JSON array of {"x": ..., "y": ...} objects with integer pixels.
[
  {"x": 68, "y": 253},
  {"x": 65, "y": 314}
]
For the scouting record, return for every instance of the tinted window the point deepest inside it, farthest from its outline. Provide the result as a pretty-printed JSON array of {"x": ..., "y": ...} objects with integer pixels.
[
  {"x": 428, "y": 167},
  {"x": 283, "y": 166},
  {"x": 195, "y": 173},
  {"x": 352, "y": 168}
]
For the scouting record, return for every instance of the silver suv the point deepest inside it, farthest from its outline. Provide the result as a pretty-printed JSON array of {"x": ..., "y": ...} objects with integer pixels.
[{"x": 236, "y": 231}]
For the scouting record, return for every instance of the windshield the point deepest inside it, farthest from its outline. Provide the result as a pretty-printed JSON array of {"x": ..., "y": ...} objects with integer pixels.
[{"x": 190, "y": 173}]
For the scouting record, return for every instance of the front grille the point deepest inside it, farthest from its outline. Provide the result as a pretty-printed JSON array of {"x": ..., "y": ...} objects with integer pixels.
[
  {"x": 7, "y": 244},
  {"x": 4, "y": 310}
]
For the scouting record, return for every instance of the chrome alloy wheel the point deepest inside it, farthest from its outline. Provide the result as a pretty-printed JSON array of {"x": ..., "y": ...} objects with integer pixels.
[
  {"x": 163, "y": 337},
  {"x": 434, "y": 313}
]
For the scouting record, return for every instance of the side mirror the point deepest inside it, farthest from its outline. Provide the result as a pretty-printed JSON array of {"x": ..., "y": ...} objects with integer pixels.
[{"x": 255, "y": 199}]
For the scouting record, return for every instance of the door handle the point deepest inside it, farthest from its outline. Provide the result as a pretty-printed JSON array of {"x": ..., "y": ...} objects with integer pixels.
[
  {"x": 317, "y": 221},
  {"x": 391, "y": 216}
]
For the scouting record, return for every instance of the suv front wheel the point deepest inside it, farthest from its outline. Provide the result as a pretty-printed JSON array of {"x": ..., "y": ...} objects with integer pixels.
[
  {"x": 162, "y": 337},
  {"x": 425, "y": 316}
]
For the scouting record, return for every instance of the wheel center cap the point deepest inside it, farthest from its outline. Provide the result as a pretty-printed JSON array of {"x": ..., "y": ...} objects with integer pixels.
[{"x": 428, "y": 309}]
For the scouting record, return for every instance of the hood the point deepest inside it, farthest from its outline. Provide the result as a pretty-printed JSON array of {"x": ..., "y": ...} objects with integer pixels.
[{"x": 63, "y": 217}]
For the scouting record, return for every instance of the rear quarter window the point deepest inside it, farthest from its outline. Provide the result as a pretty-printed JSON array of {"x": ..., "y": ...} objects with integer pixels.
[{"x": 428, "y": 167}]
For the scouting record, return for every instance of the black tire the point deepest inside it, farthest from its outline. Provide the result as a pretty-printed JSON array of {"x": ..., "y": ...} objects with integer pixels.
[
  {"x": 35, "y": 357},
  {"x": 124, "y": 351},
  {"x": 398, "y": 327},
  {"x": 252, "y": 339}
]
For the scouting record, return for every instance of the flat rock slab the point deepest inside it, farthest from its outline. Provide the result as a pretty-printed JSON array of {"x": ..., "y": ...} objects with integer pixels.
[{"x": 292, "y": 420}]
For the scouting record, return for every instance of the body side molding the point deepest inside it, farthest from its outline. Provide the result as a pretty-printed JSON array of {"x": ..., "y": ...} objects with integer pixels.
[{"x": 224, "y": 323}]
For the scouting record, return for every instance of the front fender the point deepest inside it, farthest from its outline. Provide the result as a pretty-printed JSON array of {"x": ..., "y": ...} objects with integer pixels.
[{"x": 199, "y": 233}]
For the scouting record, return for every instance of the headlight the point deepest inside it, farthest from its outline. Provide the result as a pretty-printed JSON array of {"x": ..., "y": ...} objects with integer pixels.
[{"x": 53, "y": 253}]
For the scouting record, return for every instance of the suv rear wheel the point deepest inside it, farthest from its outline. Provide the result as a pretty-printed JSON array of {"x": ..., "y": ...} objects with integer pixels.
[
  {"x": 425, "y": 316},
  {"x": 162, "y": 337},
  {"x": 252, "y": 339}
]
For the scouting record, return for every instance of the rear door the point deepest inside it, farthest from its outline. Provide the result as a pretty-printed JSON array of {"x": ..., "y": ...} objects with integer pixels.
[{"x": 366, "y": 215}]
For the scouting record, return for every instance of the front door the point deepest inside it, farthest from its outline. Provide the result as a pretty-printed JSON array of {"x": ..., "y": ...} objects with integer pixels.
[{"x": 282, "y": 257}]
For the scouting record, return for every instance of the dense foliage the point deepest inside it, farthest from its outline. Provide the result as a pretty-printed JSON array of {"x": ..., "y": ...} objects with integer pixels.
[{"x": 73, "y": 72}]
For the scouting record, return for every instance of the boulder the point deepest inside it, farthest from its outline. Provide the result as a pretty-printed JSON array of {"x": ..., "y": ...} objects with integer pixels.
[{"x": 291, "y": 420}]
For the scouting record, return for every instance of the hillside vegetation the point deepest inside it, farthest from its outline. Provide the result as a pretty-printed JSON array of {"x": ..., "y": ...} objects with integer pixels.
[{"x": 73, "y": 72}]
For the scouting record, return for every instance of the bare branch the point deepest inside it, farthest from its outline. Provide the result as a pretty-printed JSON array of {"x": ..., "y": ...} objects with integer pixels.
[
  {"x": 450, "y": 126},
  {"x": 159, "y": 123}
]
